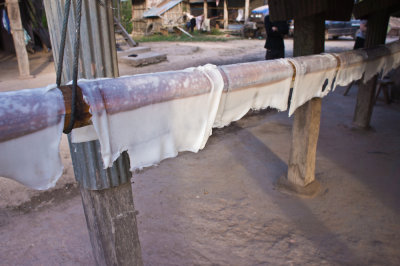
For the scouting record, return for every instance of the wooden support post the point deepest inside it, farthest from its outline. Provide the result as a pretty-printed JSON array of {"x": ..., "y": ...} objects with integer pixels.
[
  {"x": 246, "y": 9},
  {"x": 19, "y": 38},
  {"x": 205, "y": 9},
  {"x": 106, "y": 193},
  {"x": 226, "y": 14},
  {"x": 376, "y": 34},
  {"x": 111, "y": 221},
  {"x": 309, "y": 37}
]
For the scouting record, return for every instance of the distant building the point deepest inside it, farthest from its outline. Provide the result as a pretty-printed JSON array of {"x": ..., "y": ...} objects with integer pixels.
[{"x": 149, "y": 16}]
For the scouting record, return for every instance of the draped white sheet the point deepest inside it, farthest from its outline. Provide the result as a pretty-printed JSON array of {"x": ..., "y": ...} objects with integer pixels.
[{"x": 33, "y": 160}]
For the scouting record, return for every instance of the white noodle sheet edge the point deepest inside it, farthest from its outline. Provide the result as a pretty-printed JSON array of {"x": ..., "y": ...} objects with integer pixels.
[
  {"x": 33, "y": 159},
  {"x": 374, "y": 67},
  {"x": 392, "y": 61},
  {"x": 355, "y": 64},
  {"x": 160, "y": 130},
  {"x": 382, "y": 59},
  {"x": 255, "y": 86},
  {"x": 314, "y": 78},
  {"x": 352, "y": 67}
]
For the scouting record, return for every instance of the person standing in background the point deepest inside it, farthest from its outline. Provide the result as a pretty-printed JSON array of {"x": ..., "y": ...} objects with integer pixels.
[
  {"x": 191, "y": 22},
  {"x": 274, "y": 43},
  {"x": 360, "y": 35},
  {"x": 358, "y": 44}
]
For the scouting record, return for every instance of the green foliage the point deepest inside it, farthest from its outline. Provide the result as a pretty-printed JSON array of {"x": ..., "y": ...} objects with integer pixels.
[
  {"x": 126, "y": 15},
  {"x": 44, "y": 21}
]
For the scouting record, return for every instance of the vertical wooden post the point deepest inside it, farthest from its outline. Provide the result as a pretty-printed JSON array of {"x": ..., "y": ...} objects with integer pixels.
[
  {"x": 111, "y": 221},
  {"x": 18, "y": 37},
  {"x": 376, "y": 34},
  {"x": 246, "y": 9},
  {"x": 226, "y": 14},
  {"x": 106, "y": 193},
  {"x": 309, "y": 37},
  {"x": 205, "y": 9}
]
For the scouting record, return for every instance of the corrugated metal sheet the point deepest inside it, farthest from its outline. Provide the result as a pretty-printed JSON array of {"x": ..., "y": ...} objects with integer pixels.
[
  {"x": 88, "y": 167},
  {"x": 159, "y": 10},
  {"x": 98, "y": 59}
]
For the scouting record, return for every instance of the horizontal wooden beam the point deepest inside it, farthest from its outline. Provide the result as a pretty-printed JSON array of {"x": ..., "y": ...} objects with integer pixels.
[
  {"x": 295, "y": 9},
  {"x": 367, "y": 7}
]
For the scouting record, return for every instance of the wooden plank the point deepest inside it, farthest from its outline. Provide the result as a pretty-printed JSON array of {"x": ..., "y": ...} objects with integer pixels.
[
  {"x": 126, "y": 35},
  {"x": 182, "y": 30},
  {"x": 19, "y": 39}
]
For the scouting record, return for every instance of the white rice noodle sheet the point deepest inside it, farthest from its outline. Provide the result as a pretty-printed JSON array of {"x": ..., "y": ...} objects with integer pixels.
[
  {"x": 314, "y": 78},
  {"x": 367, "y": 62},
  {"x": 158, "y": 114},
  {"x": 376, "y": 62},
  {"x": 30, "y": 155},
  {"x": 393, "y": 60},
  {"x": 84, "y": 134},
  {"x": 352, "y": 67},
  {"x": 256, "y": 86}
]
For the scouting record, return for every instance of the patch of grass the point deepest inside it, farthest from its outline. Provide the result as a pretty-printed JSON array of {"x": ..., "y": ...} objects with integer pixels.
[
  {"x": 197, "y": 37},
  {"x": 215, "y": 31}
]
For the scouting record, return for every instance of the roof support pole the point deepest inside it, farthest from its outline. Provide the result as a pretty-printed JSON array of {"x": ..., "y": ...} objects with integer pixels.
[
  {"x": 205, "y": 9},
  {"x": 106, "y": 193},
  {"x": 19, "y": 38},
  {"x": 308, "y": 39},
  {"x": 225, "y": 14},
  {"x": 246, "y": 9},
  {"x": 376, "y": 34}
]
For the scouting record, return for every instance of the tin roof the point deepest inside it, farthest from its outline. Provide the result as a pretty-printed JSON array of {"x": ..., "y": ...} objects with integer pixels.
[{"x": 160, "y": 9}]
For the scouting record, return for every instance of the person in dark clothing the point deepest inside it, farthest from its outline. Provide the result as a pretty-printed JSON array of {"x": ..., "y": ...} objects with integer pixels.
[
  {"x": 360, "y": 35},
  {"x": 192, "y": 24},
  {"x": 274, "y": 43}
]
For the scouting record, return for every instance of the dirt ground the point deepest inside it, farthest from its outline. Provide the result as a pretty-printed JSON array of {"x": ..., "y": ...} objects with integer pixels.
[{"x": 221, "y": 206}]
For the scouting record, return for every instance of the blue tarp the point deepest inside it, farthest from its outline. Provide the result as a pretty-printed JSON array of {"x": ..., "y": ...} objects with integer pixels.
[{"x": 261, "y": 10}]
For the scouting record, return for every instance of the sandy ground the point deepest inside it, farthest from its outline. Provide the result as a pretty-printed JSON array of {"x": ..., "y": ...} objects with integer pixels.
[{"x": 220, "y": 206}]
